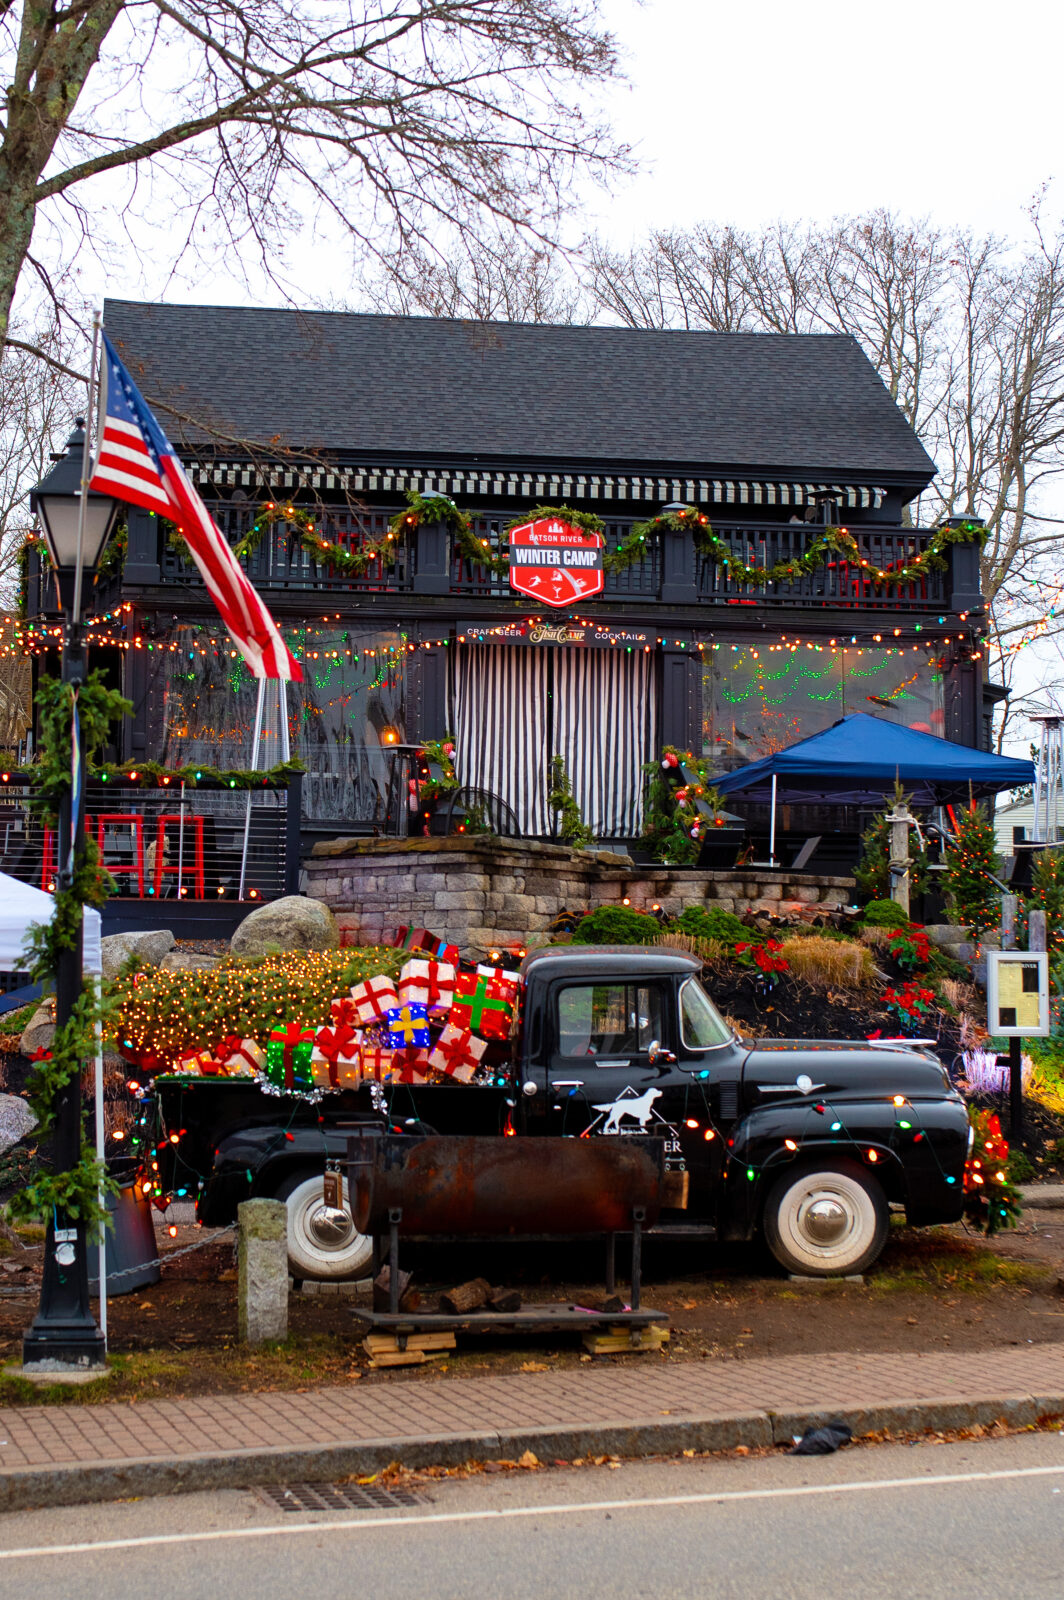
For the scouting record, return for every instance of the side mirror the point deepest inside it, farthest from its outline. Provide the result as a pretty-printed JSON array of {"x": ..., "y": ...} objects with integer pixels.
[{"x": 657, "y": 1056}]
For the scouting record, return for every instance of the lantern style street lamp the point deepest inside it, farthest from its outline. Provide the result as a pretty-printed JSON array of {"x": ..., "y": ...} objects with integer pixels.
[{"x": 76, "y": 526}]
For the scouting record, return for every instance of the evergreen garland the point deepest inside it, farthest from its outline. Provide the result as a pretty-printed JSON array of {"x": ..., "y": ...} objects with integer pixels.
[
  {"x": 573, "y": 830},
  {"x": 438, "y": 753},
  {"x": 673, "y": 820},
  {"x": 75, "y": 1191},
  {"x": 975, "y": 898},
  {"x": 146, "y": 774},
  {"x": 440, "y": 508}
]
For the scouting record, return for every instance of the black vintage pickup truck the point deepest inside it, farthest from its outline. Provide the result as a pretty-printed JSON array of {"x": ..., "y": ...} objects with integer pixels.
[{"x": 808, "y": 1141}]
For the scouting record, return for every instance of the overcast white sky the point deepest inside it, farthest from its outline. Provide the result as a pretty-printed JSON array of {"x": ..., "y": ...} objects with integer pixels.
[{"x": 749, "y": 112}]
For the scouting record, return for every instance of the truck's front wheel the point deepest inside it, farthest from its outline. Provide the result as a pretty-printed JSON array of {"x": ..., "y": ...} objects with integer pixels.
[
  {"x": 322, "y": 1243},
  {"x": 826, "y": 1223}
]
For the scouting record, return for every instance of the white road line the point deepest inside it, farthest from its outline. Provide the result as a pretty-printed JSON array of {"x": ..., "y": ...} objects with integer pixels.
[{"x": 359, "y": 1524}]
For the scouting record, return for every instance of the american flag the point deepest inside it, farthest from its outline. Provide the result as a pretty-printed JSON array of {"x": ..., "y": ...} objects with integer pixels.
[{"x": 136, "y": 462}]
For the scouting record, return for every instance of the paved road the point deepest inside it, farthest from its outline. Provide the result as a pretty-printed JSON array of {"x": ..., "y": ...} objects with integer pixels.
[{"x": 952, "y": 1522}]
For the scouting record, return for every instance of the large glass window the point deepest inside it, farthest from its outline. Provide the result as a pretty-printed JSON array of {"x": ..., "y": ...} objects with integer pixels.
[
  {"x": 341, "y": 718},
  {"x": 608, "y": 1019},
  {"x": 759, "y": 698}
]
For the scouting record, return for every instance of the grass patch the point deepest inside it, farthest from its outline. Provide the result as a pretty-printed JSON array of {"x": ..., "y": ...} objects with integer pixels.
[
  {"x": 829, "y": 963},
  {"x": 925, "y": 1262},
  {"x": 300, "y": 1361}
]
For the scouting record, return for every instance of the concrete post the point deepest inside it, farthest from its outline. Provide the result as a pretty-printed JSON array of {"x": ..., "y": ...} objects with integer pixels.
[
  {"x": 1008, "y": 921},
  {"x": 900, "y": 820},
  {"x": 262, "y": 1270}
]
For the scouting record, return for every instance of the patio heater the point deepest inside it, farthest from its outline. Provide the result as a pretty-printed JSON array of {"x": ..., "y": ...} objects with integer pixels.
[
  {"x": 1048, "y": 777},
  {"x": 76, "y": 527}
]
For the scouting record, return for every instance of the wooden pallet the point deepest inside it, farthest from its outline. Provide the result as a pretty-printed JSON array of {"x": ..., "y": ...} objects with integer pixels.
[
  {"x": 620, "y": 1341},
  {"x": 384, "y": 1349}
]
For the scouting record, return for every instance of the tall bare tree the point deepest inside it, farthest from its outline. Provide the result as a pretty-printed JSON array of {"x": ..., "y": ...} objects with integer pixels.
[
  {"x": 223, "y": 121},
  {"x": 493, "y": 278},
  {"x": 967, "y": 333}
]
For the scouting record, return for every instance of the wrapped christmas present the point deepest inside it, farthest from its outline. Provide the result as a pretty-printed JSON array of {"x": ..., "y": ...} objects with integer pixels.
[
  {"x": 408, "y": 1024},
  {"x": 457, "y": 1053},
  {"x": 429, "y": 984},
  {"x": 288, "y": 1053},
  {"x": 482, "y": 1006},
  {"x": 506, "y": 981},
  {"x": 426, "y": 943},
  {"x": 198, "y": 1064},
  {"x": 377, "y": 1062},
  {"x": 410, "y": 1065},
  {"x": 344, "y": 1009},
  {"x": 336, "y": 1060},
  {"x": 374, "y": 998},
  {"x": 241, "y": 1058}
]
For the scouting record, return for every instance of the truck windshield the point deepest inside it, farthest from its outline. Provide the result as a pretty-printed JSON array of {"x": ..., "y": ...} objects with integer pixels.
[{"x": 701, "y": 1024}]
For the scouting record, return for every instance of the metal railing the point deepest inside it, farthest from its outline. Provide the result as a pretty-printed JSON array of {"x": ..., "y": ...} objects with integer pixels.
[
  {"x": 840, "y": 581},
  {"x": 170, "y": 841},
  {"x": 280, "y": 560}
]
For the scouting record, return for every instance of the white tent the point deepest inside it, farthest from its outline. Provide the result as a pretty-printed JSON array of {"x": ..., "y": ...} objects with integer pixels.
[{"x": 20, "y": 905}]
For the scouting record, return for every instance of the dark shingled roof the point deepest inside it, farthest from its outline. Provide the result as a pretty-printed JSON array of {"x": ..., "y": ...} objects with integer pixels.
[{"x": 366, "y": 385}]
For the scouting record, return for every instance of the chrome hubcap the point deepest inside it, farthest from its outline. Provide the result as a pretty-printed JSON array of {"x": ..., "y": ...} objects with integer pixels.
[
  {"x": 825, "y": 1220},
  {"x": 329, "y": 1227}
]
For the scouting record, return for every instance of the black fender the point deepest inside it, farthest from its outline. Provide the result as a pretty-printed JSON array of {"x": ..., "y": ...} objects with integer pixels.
[{"x": 915, "y": 1152}]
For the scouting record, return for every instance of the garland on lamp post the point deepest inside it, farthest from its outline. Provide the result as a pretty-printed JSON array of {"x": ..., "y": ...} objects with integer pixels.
[{"x": 76, "y": 1190}]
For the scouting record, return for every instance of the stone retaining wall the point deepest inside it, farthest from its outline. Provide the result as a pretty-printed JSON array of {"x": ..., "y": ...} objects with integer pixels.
[{"x": 486, "y": 892}]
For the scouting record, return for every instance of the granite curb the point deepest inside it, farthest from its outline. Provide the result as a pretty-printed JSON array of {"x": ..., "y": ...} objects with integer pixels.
[{"x": 26, "y": 1488}]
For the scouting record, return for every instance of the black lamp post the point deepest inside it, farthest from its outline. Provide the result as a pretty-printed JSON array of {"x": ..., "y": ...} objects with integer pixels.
[{"x": 76, "y": 528}]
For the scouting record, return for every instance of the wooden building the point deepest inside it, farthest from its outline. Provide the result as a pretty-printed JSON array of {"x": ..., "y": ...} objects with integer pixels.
[{"x": 773, "y": 437}]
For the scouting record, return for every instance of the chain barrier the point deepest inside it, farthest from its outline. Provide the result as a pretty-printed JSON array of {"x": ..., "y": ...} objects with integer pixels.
[{"x": 171, "y": 1255}]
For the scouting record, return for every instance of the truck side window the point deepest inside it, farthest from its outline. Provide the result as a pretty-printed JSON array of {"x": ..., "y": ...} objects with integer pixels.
[
  {"x": 608, "y": 1019},
  {"x": 701, "y": 1024}
]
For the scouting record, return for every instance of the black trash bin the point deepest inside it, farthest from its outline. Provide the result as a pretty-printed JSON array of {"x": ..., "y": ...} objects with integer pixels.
[{"x": 131, "y": 1249}]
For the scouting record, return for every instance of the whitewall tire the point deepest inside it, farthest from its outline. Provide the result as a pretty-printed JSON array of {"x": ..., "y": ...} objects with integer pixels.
[
  {"x": 322, "y": 1244},
  {"x": 826, "y": 1223}
]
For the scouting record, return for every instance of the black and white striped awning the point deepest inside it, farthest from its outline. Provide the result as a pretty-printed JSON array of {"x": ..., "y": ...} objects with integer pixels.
[{"x": 546, "y": 488}]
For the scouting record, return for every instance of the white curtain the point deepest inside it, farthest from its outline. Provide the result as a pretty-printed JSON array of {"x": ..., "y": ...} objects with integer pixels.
[
  {"x": 500, "y": 727},
  {"x": 603, "y": 728},
  {"x": 515, "y": 707}
]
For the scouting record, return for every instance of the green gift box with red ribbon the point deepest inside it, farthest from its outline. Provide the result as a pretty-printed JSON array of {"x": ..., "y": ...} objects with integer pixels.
[
  {"x": 482, "y": 1005},
  {"x": 288, "y": 1053}
]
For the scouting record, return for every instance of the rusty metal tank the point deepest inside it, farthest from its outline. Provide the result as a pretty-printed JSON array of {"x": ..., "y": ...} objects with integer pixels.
[{"x": 483, "y": 1185}]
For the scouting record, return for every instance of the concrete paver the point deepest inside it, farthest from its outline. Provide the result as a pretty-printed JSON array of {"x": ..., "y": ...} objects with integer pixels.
[{"x": 611, "y": 1397}]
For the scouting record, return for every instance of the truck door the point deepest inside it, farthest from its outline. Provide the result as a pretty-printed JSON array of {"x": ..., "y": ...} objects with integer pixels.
[{"x": 599, "y": 1075}]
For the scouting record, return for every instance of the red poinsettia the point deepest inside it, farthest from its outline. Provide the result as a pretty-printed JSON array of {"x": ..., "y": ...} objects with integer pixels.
[{"x": 911, "y": 1004}]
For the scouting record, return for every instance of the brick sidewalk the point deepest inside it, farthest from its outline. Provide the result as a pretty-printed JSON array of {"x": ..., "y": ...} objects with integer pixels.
[{"x": 479, "y": 1415}]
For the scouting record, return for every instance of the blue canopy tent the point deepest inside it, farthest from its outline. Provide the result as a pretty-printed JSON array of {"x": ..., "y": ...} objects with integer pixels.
[{"x": 857, "y": 761}]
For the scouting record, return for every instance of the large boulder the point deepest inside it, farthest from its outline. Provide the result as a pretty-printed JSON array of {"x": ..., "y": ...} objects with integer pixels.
[
  {"x": 16, "y": 1120},
  {"x": 40, "y": 1030},
  {"x": 149, "y": 947},
  {"x": 294, "y": 923},
  {"x": 188, "y": 961}
]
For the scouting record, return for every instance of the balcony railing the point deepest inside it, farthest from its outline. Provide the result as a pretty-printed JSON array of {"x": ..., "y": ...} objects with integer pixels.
[
  {"x": 169, "y": 841},
  {"x": 838, "y": 582},
  {"x": 673, "y": 571}
]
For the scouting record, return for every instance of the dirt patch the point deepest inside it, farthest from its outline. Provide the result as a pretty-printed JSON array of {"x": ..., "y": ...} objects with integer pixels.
[{"x": 932, "y": 1289}]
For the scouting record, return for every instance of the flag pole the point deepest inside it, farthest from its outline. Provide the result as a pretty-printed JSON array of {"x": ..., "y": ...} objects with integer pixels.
[
  {"x": 86, "y": 462},
  {"x": 255, "y": 737}
]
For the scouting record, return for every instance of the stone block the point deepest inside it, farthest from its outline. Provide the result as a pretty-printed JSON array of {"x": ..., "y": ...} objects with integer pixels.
[
  {"x": 468, "y": 900},
  {"x": 807, "y": 894},
  {"x": 262, "y": 1271},
  {"x": 771, "y": 891}
]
